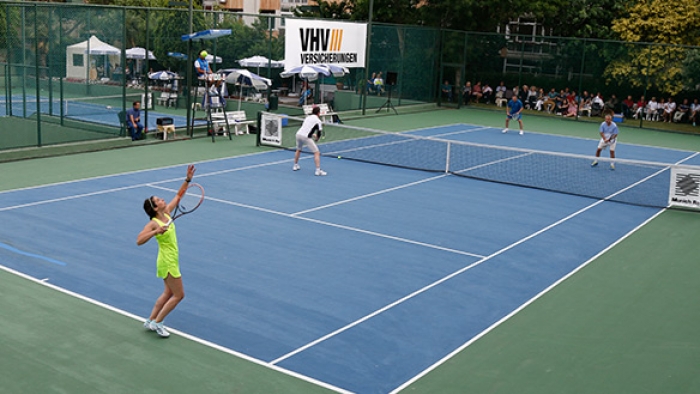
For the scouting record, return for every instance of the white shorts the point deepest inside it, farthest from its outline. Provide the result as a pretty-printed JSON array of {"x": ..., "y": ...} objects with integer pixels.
[
  {"x": 308, "y": 141},
  {"x": 611, "y": 144}
]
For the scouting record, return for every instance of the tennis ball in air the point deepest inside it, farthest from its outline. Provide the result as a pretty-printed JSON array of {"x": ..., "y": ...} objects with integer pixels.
[{"x": 340, "y": 157}]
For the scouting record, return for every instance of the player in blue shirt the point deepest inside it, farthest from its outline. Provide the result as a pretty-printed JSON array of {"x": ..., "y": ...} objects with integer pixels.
[
  {"x": 608, "y": 139},
  {"x": 514, "y": 110}
]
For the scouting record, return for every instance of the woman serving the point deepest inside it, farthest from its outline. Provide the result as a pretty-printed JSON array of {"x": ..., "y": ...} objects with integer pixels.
[{"x": 167, "y": 265}]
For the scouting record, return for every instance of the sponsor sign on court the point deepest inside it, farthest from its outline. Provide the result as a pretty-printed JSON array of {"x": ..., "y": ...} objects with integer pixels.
[
  {"x": 324, "y": 42},
  {"x": 685, "y": 188},
  {"x": 271, "y": 132}
]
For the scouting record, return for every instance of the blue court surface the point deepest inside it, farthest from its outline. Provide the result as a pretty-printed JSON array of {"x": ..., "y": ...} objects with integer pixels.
[
  {"x": 100, "y": 111},
  {"x": 363, "y": 279}
]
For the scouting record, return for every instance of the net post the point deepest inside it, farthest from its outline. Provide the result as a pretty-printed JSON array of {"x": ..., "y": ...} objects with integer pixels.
[
  {"x": 259, "y": 124},
  {"x": 447, "y": 159}
]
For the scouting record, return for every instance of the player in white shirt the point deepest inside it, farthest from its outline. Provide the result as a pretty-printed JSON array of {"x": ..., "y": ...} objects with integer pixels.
[
  {"x": 608, "y": 138},
  {"x": 308, "y": 134}
]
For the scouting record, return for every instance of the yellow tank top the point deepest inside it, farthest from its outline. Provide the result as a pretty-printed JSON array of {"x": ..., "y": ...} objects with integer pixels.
[{"x": 168, "y": 254}]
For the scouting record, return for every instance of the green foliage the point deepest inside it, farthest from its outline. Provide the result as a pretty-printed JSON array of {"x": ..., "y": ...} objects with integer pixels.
[
  {"x": 583, "y": 18},
  {"x": 660, "y": 66},
  {"x": 170, "y": 27}
]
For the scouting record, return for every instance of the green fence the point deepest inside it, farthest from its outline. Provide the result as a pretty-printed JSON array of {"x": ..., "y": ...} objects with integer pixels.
[{"x": 44, "y": 76}]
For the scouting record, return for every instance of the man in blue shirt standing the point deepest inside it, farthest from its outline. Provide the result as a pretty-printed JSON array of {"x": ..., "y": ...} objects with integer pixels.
[
  {"x": 133, "y": 121},
  {"x": 514, "y": 110},
  {"x": 608, "y": 138}
]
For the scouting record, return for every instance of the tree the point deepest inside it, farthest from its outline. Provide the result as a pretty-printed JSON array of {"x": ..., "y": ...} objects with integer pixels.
[
  {"x": 666, "y": 27},
  {"x": 582, "y": 18}
]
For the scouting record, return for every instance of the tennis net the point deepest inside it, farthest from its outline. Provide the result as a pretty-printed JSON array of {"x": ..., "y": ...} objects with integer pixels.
[{"x": 633, "y": 182}]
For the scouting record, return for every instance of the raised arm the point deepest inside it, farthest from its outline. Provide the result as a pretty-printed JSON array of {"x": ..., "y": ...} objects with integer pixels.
[{"x": 183, "y": 188}]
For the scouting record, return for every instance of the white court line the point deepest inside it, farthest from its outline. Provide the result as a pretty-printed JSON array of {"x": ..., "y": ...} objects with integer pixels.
[
  {"x": 340, "y": 226},
  {"x": 462, "y": 131},
  {"x": 546, "y": 290},
  {"x": 146, "y": 184},
  {"x": 370, "y": 194},
  {"x": 521, "y": 307},
  {"x": 193, "y": 338},
  {"x": 73, "y": 197},
  {"x": 458, "y": 272},
  {"x": 431, "y": 285}
]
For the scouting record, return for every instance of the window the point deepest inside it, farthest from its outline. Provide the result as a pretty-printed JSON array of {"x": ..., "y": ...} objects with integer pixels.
[{"x": 78, "y": 60}]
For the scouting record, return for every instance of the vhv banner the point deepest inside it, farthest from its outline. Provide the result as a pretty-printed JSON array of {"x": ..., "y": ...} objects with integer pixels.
[{"x": 324, "y": 42}]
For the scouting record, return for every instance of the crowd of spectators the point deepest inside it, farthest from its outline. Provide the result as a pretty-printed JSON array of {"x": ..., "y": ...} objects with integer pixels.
[{"x": 569, "y": 103}]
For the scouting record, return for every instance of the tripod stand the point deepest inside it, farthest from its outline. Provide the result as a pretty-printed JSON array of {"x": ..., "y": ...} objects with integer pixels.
[{"x": 388, "y": 103}]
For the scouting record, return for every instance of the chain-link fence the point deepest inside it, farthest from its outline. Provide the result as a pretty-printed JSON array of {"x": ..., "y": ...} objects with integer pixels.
[{"x": 69, "y": 72}]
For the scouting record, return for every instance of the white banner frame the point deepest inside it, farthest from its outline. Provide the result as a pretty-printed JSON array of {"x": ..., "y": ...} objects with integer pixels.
[
  {"x": 271, "y": 129},
  {"x": 684, "y": 190},
  {"x": 309, "y": 41}
]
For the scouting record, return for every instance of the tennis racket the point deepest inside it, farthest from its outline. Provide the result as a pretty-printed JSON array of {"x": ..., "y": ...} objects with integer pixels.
[{"x": 189, "y": 202}]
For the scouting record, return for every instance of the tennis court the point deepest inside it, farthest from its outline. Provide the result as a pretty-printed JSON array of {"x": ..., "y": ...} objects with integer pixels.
[
  {"x": 102, "y": 110},
  {"x": 368, "y": 280}
]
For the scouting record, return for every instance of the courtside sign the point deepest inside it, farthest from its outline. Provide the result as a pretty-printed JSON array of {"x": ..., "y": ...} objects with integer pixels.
[
  {"x": 324, "y": 42},
  {"x": 685, "y": 188}
]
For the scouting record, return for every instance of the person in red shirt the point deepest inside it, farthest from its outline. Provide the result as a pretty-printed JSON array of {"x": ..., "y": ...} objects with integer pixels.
[
  {"x": 639, "y": 107},
  {"x": 627, "y": 106}
]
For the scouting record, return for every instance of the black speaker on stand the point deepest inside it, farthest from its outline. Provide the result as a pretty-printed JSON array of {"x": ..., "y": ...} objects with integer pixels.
[{"x": 391, "y": 78}]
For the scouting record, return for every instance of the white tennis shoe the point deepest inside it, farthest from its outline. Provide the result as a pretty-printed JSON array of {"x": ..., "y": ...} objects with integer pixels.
[
  {"x": 320, "y": 172},
  {"x": 296, "y": 167},
  {"x": 505, "y": 131},
  {"x": 522, "y": 132},
  {"x": 147, "y": 325},
  {"x": 160, "y": 329}
]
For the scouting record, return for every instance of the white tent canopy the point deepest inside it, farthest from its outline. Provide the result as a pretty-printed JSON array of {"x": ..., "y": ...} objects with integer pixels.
[
  {"x": 139, "y": 53},
  {"x": 78, "y": 57}
]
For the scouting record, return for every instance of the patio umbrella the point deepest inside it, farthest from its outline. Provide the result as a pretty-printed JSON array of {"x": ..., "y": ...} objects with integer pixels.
[
  {"x": 163, "y": 75},
  {"x": 210, "y": 59},
  {"x": 178, "y": 55},
  {"x": 260, "y": 61},
  {"x": 337, "y": 71},
  {"x": 310, "y": 72},
  {"x": 139, "y": 53},
  {"x": 247, "y": 78}
]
